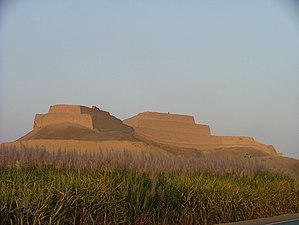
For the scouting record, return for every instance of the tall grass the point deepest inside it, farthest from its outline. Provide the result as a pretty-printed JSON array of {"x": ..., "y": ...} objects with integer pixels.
[
  {"x": 109, "y": 187},
  {"x": 109, "y": 159},
  {"x": 33, "y": 195}
]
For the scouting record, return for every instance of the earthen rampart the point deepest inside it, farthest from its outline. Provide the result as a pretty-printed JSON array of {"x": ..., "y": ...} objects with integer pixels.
[
  {"x": 70, "y": 109},
  {"x": 92, "y": 118},
  {"x": 42, "y": 120},
  {"x": 173, "y": 126},
  {"x": 161, "y": 128},
  {"x": 165, "y": 117},
  {"x": 181, "y": 131}
]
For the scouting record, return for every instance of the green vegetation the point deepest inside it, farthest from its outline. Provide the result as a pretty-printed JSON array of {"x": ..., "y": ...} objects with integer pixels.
[
  {"x": 67, "y": 196},
  {"x": 34, "y": 190}
]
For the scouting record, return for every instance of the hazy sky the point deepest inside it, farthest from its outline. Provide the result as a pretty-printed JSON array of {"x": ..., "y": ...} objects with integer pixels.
[{"x": 232, "y": 64}]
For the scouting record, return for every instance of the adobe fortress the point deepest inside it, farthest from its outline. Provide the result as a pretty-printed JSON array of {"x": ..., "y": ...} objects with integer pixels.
[
  {"x": 75, "y": 122},
  {"x": 65, "y": 123},
  {"x": 182, "y": 131},
  {"x": 92, "y": 118}
]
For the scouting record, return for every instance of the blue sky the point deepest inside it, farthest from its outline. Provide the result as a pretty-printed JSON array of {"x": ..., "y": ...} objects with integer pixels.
[{"x": 231, "y": 64}]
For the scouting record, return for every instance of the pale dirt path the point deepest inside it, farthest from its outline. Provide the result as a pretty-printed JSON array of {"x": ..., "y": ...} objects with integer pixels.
[{"x": 289, "y": 219}]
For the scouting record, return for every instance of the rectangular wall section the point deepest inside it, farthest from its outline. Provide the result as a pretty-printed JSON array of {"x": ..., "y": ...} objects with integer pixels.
[
  {"x": 166, "y": 117},
  {"x": 42, "y": 120},
  {"x": 176, "y": 138},
  {"x": 76, "y": 109},
  {"x": 72, "y": 109},
  {"x": 80, "y": 115},
  {"x": 171, "y": 126}
]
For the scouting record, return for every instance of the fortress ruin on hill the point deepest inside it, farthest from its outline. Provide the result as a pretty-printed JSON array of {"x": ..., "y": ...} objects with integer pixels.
[
  {"x": 81, "y": 123},
  {"x": 182, "y": 131},
  {"x": 75, "y": 122},
  {"x": 92, "y": 118}
]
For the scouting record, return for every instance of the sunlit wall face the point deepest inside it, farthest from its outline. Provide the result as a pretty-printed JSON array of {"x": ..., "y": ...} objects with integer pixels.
[{"x": 233, "y": 65}]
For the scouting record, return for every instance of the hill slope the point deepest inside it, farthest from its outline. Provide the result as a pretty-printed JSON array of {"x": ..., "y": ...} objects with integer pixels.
[{"x": 69, "y": 127}]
